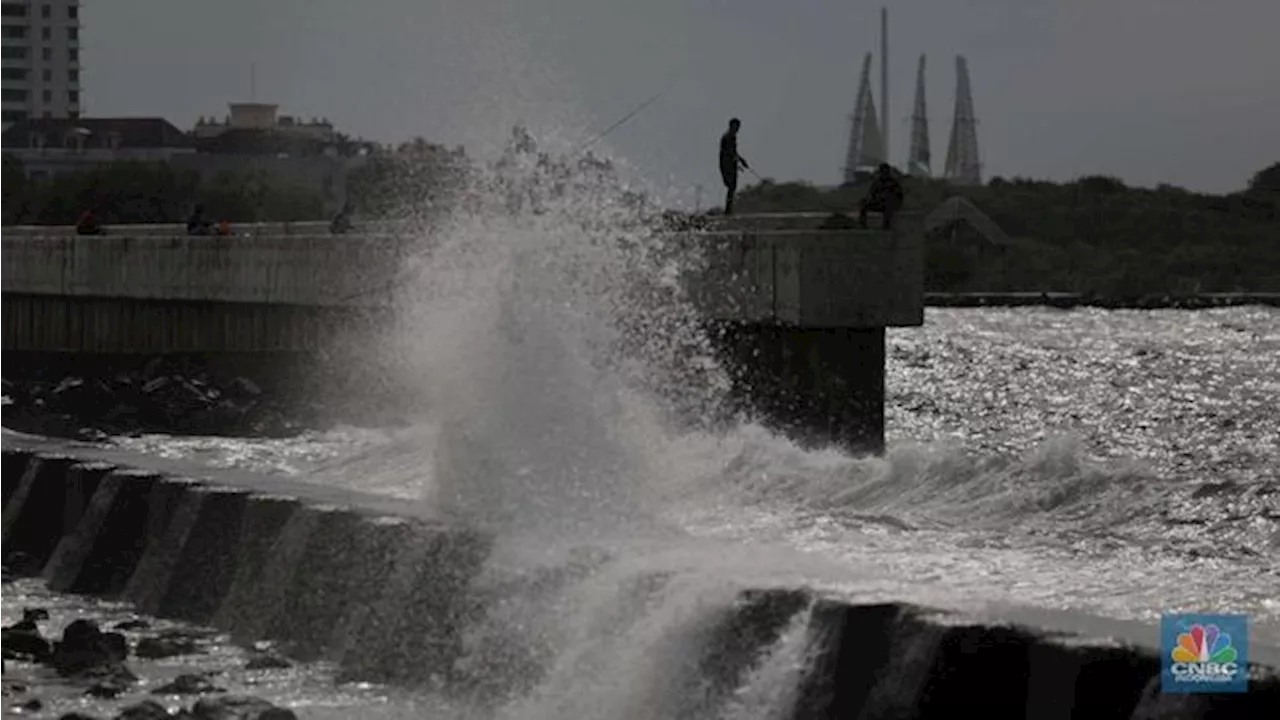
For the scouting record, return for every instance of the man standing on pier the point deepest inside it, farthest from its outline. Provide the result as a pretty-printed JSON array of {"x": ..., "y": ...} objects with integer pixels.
[{"x": 730, "y": 163}]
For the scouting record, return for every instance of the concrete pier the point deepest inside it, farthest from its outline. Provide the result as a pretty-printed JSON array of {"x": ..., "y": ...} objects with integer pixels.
[
  {"x": 799, "y": 302},
  {"x": 800, "y": 308}
]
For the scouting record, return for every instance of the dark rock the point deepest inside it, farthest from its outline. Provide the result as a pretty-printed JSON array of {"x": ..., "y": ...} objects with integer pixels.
[
  {"x": 81, "y": 397},
  {"x": 77, "y": 716},
  {"x": 1211, "y": 489},
  {"x": 112, "y": 674},
  {"x": 113, "y": 680},
  {"x": 244, "y": 387},
  {"x": 266, "y": 661},
  {"x": 134, "y": 624},
  {"x": 165, "y": 645},
  {"x": 16, "y": 688},
  {"x": 175, "y": 397},
  {"x": 152, "y": 369},
  {"x": 239, "y": 707},
  {"x": 188, "y": 685},
  {"x": 31, "y": 616},
  {"x": 23, "y": 641},
  {"x": 109, "y": 687},
  {"x": 226, "y": 415},
  {"x": 25, "y": 645},
  {"x": 145, "y": 710},
  {"x": 84, "y": 649},
  {"x": 170, "y": 395},
  {"x": 21, "y": 564},
  {"x": 32, "y": 705}
]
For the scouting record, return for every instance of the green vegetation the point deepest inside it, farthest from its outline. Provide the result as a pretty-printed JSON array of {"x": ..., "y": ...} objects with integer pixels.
[
  {"x": 418, "y": 179},
  {"x": 1095, "y": 235},
  {"x": 149, "y": 192}
]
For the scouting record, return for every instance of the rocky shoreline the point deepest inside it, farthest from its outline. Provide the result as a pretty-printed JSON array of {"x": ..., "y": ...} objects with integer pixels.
[
  {"x": 172, "y": 395},
  {"x": 46, "y": 673}
]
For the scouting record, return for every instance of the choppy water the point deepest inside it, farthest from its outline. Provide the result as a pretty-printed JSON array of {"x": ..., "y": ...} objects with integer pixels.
[{"x": 1124, "y": 462}]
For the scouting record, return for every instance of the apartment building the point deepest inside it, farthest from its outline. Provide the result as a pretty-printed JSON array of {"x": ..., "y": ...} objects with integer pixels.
[{"x": 41, "y": 59}]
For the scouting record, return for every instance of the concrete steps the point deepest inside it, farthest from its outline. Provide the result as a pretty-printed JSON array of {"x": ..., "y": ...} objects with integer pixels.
[{"x": 354, "y": 580}]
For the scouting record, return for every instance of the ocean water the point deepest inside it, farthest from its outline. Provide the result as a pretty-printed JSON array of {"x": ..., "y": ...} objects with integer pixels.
[{"x": 1122, "y": 462}]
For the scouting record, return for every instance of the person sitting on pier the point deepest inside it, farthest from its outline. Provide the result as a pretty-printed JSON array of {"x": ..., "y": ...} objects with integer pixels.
[
  {"x": 342, "y": 221},
  {"x": 884, "y": 196},
  {"x": 88, "y": 224},
  {"x": 730, "y": 163},
  {"x": 197, "y": 224}
]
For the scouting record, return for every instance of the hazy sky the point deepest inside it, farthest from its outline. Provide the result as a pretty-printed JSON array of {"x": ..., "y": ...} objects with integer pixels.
[{"x": 1178, "y": 91}]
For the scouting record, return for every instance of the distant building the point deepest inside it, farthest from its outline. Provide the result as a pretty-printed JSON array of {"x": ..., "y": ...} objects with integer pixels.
[
  {"x": 47, "y": 146},
  {"x": 41, "y": 59},
  {"x": 263, "y": 119},
  {"x": 255, "y": 138}
]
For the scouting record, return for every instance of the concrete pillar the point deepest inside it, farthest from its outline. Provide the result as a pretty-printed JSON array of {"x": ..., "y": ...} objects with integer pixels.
[
  {"x": 843, "y": 377},
  {"x": 820, "y": 386}
]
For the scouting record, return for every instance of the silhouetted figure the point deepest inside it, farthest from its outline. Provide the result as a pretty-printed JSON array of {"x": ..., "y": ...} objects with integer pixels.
[
  {"x": 88, "y": 224},
  {"x": 730, "y": 163},
  {"x": 342, "y": 221},
  {"x": 198, "y": 224},
  {"x": 224, "y": 227},
  {"x": 884, "y": 196}
]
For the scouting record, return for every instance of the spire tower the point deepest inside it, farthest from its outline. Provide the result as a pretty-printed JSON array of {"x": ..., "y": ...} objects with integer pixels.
[
  {"x": 918, "y": 158},
  {"x": 866, "y": 144},
  {"x": 884, "y": 83},
  {"x": 963, "y": 165}
]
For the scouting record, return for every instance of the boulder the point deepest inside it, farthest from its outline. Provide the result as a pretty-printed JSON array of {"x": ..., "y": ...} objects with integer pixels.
[
  {"x": 85, "y": 649},
  {"x": 188, "y": 684},
  {"x": 239, "y": 707},
  {"x": 166, "y": 645},
  {"x": 145, "y": 710}
]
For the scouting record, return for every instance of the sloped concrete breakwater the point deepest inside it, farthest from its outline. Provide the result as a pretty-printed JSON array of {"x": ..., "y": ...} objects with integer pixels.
[{"x": 352, "y": 578}]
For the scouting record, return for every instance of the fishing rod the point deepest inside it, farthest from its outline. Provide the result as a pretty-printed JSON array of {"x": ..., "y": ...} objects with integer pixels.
[
  {"x": 675, "y": 75},
  {"x": 639, "y": 108}
]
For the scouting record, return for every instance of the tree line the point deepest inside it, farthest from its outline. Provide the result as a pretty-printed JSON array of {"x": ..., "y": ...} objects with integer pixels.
[
  {"x": 150, "y": 192},
  {"x": 1094, "y": 236},
  {"x": 414, "y": 176}
]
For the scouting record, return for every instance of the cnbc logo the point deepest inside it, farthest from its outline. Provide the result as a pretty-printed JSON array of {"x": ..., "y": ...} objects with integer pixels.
[{"x": 1204, "y": 653}]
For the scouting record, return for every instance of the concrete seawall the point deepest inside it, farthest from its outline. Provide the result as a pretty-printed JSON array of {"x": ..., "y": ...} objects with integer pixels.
[{"x": 351, "y": 578}]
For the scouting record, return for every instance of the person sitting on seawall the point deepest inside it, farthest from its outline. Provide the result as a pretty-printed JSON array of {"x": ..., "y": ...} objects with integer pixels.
[
  {"x": 884, "y": 196},
  {"x": 197, "y": 224},
  {"x": 88, "y": 224},
  {"x": 342, "y": 221}
]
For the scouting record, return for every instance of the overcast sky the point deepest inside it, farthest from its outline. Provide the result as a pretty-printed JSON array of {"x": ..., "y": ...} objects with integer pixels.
[{"x": 1178, "y": 91}]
